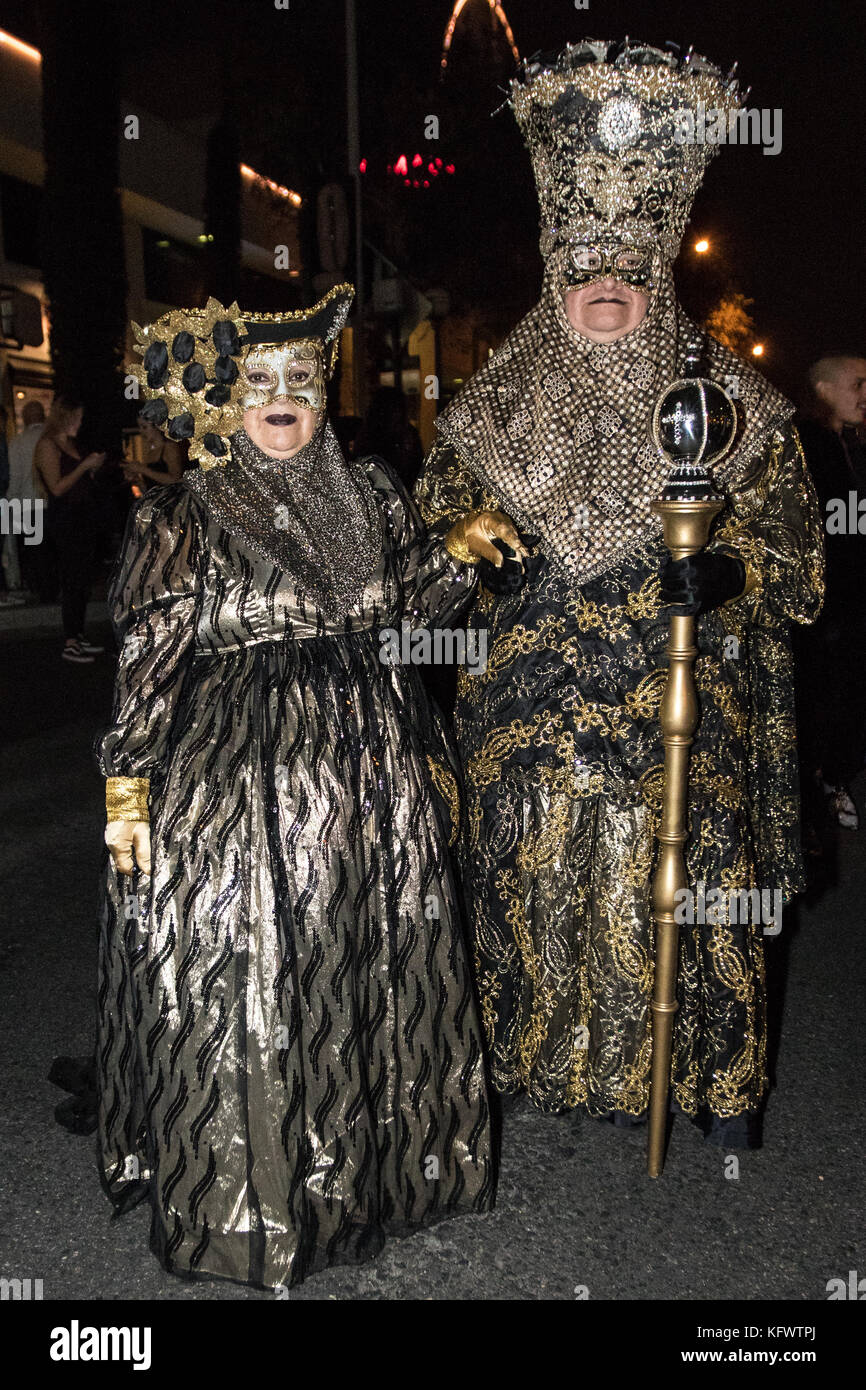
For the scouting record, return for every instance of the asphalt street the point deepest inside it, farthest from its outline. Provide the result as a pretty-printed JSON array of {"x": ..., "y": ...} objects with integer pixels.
[{"x": 576, "y": 1214}]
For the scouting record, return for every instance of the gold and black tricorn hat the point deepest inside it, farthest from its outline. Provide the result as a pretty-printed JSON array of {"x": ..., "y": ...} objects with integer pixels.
[
  {"x": 190, "y": 373},
  {"x": 603, "y": 123}
]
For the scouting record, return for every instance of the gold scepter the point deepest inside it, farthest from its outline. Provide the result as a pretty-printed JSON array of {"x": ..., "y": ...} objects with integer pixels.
[{"x": 693, "y": 426}]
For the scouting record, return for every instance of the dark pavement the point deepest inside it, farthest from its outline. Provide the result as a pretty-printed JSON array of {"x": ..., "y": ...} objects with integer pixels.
[{"x": 575, "y": 1209}]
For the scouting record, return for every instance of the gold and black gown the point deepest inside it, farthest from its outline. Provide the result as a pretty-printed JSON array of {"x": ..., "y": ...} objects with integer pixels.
[
  {"x": 563, "y": 766},
  {"x": 289, "y": 1062}
]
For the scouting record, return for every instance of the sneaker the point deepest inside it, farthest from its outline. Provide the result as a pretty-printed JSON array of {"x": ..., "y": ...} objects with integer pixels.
[
  {"x": 89, "y": 646},
  {"x": 842, "y": 808},
  {"x": 73, "y": 652}
]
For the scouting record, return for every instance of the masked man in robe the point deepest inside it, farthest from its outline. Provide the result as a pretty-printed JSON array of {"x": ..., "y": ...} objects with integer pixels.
[{"x": 549, "y": 447}]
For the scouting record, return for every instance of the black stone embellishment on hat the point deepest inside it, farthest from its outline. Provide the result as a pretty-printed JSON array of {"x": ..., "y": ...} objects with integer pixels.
[
  {"x": 199, "y": 353},
  {"x": 225, "y": 371},
  {"x": 225, "y": 338},
  {"x": 181, "y": 426},
  {"x": 155, "y": 412},
  {"x": 183, "y": 347},
  {"x": 156, "y": 365},
  {"x": 194, "y": 378}
]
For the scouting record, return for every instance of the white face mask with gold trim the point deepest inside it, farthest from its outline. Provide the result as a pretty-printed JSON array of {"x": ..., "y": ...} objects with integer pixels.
[{"x": 286, "y": 372}]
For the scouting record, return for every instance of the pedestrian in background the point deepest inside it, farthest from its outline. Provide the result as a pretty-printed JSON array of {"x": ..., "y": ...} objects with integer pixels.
[
  {"x": 831, "y": 692},
  {"x": 8, "y": 588},
  {"x": 162, "y": 461},
  {"x": 71, "y": 520},
  {"x": 23, "y": 568}
]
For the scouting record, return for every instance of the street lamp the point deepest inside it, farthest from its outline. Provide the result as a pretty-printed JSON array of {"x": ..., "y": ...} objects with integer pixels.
[
  {"x": 702, "y": 246},
  {"x": 758, "y": 350}
]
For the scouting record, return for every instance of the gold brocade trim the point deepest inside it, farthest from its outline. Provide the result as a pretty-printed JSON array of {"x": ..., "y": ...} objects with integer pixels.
[
  {"x": 126, "y": 798},
  {"x": 535, "y": 1031},
  {"x": 710, "y": 680},
  {"x": 486, "y": 765},
  {"x": 590, "y": 615},
  {"x": 652, "y": 786},
  {"x": 446, "y": 785},
  {"x": 545, "y": 1051},
  {"x": 520, "y": 641},
  {"x": 447, "y": 496},
  {"x": 645, "y": 700},
  {"x": 645, "y": 602}
]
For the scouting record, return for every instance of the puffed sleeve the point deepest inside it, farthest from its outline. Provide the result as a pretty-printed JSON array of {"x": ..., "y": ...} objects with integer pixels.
[
  {"x": 775, "y": 528},
  {"x": 154, "y": 600},
  {"x": 434, "y": 586},
  {"x": 447, "y": 491}
]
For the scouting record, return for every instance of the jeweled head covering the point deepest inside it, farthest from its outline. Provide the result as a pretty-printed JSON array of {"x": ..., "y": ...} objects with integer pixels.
[
  {"x": 313, "y": 515},
  {"x": 192, "y": 369},
  {"x": 556, "y": 425},
  {"x": 604, "y": 125}
]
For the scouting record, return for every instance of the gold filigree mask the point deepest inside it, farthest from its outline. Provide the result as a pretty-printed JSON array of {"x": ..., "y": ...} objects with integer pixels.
[{"x": 292, "y": 371}]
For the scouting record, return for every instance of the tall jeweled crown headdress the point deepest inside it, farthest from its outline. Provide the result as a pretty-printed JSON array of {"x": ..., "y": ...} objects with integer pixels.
[
  {"x": 191, "y": 370},
  {"x": 604, "y": 125}
]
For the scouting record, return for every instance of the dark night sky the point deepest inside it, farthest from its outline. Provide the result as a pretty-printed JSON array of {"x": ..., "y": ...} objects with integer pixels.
[{"x": 792, "y": 224}]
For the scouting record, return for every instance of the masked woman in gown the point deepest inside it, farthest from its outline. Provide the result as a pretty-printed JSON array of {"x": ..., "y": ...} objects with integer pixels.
[{"x": 288, "y": 1065}]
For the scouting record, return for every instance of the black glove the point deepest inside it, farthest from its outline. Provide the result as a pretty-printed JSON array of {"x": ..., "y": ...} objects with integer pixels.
[
  {"x": 509, "y": 578},
  {"x": 700, "y": 582}
]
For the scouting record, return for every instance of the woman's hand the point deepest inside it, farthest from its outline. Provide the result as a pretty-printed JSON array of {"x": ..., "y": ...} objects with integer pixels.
[
  {"x": 482, "y": 529},
  {"x": 92, "y": 462},
  {"x": 124, "y": 836}
]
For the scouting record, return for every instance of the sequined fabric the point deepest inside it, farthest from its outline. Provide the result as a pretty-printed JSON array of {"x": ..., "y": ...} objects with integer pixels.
[
  {"x": 603, "y": 125},
  {"x": 558, "y": 427},
  {"x": 563, "y": 759},
  {"x": 289, "y": 1063},
  {"x": 314, "y": 515}
]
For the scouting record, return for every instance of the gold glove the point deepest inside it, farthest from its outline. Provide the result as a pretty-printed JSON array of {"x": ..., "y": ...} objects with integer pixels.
[
  {"x": 124, "y": 836},
  {"x": 471, "y": 538},
  {"x": 128, "y": 822}
]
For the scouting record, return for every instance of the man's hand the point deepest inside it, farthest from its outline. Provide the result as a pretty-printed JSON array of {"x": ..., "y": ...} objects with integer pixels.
[
  {"x": 698, "y": 583},
  {"x": 124, "y": 836}
]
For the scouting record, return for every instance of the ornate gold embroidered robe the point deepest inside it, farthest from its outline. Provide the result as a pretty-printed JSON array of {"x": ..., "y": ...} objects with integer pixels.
[{"x": 563, "y": 761}]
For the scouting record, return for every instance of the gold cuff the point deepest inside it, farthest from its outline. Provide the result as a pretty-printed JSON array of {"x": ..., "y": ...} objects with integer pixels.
[
  {"x": 126, "y": 798},
  {"x": 455, "y": 541},
  {"x": 753, "y": 579}
]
